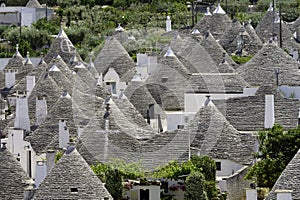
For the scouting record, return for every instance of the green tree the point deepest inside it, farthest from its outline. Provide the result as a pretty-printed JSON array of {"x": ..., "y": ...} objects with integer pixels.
[
  {"x": 113, "y": 183},
  {"x": 195, "y": 189},
  {"x": 277, "y": 148}
]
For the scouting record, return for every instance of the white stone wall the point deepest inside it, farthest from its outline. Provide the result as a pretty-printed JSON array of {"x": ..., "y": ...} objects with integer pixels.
[{"x": 228, "y": 167}]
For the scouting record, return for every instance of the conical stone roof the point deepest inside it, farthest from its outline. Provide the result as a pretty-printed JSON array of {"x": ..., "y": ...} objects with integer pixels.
[
  {"x": 267, "y": 27},
  {"x": 72, "y": 178},
  {"x": 62, "y": 46},
  {"x": 13, "y": 177},
  {"x": 288, "y": 180},
  {"x": 33, "y": 4},
  {"x": 217, "y": 53},
  {"x": 229, "y": 40},
  {"x": 214, "y": 136},
  {"x": 261, "y": 68},
  {"x": 46, "y": 135},
  {"x": 113, "y": 55},
  {"x": 215, "y": 23}
]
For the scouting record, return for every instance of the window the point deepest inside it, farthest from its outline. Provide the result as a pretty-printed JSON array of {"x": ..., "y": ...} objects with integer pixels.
[
  {"x": 218, "y": 166},
  {"x": 74, "y": 190}
]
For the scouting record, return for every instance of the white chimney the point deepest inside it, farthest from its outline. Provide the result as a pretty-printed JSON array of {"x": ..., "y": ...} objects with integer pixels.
[
  {"x": 40, "y": 110},
  {"x": 251, "y": 194},
  {"x": 30, "y": 83},
  {"x": 22, "y": 118},
  {"x": 152, "y": 64},
  {"x": 284, "y": 194},
  {"x": 40, "y": 172},
  {"x": 50, "y": 157},
  {"x": 168, "y": 24},
  {"x": 64, "y": 136},
  {"x": 269, "y": 111},
  {"x": 10, "y": 78}
]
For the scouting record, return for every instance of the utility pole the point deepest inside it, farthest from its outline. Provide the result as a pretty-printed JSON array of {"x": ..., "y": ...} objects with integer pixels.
[
  {"x": 280, "y": 27},
  {"x": 274, "y": 13},
  {"x": 193, "y": 15}
]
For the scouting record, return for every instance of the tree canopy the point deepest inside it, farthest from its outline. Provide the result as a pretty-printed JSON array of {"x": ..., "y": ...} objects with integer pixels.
[{"x": 277, "y": 148}]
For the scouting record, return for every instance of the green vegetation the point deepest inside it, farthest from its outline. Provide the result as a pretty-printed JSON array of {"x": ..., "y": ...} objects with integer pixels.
[
  {"x": 204, "y": 168},
  {"x": 195, "y": 187},
  {"x": 277, "y": 148},
  {"x": 241, "y": 59},
  {"x": 88, "y": 22}
]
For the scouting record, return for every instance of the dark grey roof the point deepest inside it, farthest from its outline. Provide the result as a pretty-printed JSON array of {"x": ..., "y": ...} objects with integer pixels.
[
  {"x": 71, "y": 172},
  {"x": 216, "y": 83},
  {"x": 216, "y": 24},
  {"x": 216, "y": 51},
  {"x": 167, "y": 83},
  {"x": 261, "y": 68},
  {"x": 265, "y": 30},
  {"x": 113, "y": 55},
  {"x": 247, "y": 113},
  {"x": 59, "y": 62},
  {"x": 213, "y": 135},
  {"x": 46, "y": 135},
  {"x": 140, "y": 97},
  {"x": 124, "y": 117},
  {"x": 33, "y": 4},
  {"x": 13, "y": 177},
  {"x": 156, "y": 151},
  {"x": 294, "y": 25},
  {"x": 197, "y": 56},
  {"x": 62, "y": 46},
  {"x": 254, "y": 37},
  {"x": 229, "y": 40},
  {"x": 288, "y": 180}
]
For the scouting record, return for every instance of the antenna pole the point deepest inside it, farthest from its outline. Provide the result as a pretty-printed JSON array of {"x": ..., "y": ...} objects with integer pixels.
[
  {"x": 280, "y": 27},
  {"x": 193, "y": 15},
  {"x": 273, "y": 34}
]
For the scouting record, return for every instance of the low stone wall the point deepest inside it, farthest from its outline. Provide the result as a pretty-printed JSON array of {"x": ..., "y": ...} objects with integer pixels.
[{"x": 236, "y": 185}]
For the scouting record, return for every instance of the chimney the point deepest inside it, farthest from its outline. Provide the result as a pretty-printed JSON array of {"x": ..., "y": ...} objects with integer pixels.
[
  {"x": 283, "y": 194},
  {"x": 207, "y": 100},
  {"x": 269, "y": 111},
  {"x": 106, "y": 117},
  {"x": 152, "y": 63},
  {"x": 64, "y": 136},
  {"x": 50, "y": 157},
  {"x": 10, "y": 77},
  {"x": 40, "y": 172},
  {"x": 29, "y": 191},
  {"x": 40, "y": 110},
  {"x": 30, "y": 83},
  {"x": 251, "y": 194},
  {"x": 168, "y": 24},
  {"x": 22, "y": 118}
]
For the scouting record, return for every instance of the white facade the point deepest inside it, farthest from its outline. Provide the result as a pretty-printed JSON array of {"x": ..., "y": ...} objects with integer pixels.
[
  {"x": 23, "y": 151},
  {"x": 136, "y": 192},
  {"x": 228, "y": 167},
  {"x": 25, "y": 16},
  {"x": 193, "y": 101}
]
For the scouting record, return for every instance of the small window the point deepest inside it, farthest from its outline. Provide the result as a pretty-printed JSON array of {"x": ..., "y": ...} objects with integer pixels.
[
  {"x": 218, "y": 166},
  {"x": 74, "y": 190}
]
